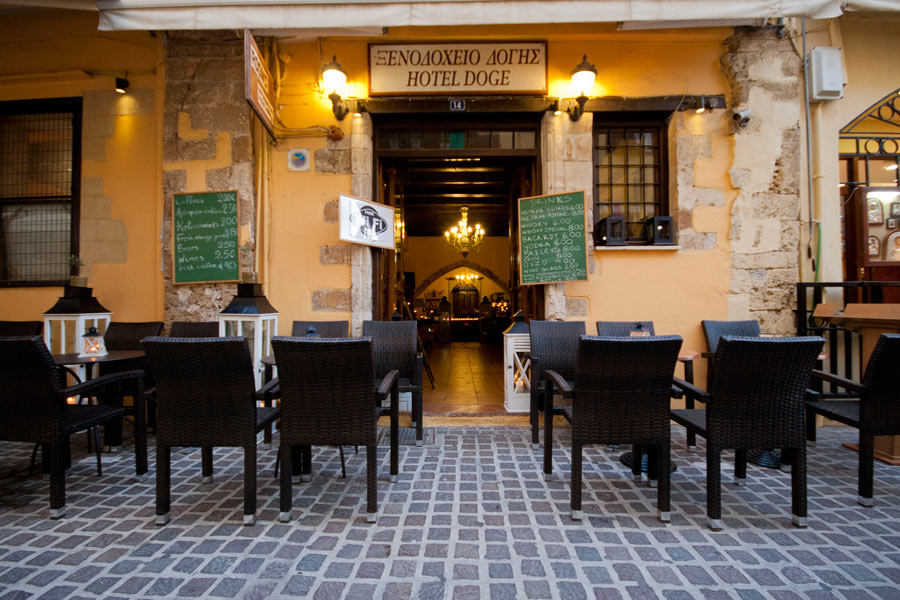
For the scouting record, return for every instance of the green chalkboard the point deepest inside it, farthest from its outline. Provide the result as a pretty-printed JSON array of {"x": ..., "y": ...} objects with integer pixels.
[
  {"x": 552, "y": 238},
  {"x": 205, "y": 244}
]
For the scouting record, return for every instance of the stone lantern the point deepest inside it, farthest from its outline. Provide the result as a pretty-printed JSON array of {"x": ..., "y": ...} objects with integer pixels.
[
  {"x": 517, "y": 363},
  {"x": 250, "y": 315}
]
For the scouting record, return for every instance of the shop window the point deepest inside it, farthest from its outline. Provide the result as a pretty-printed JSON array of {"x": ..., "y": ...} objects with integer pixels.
[
  {"x": 40, "y": 144},
  {"x": 629, "y": 178}
]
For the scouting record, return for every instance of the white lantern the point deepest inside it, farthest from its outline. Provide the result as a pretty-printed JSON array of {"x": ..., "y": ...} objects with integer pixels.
[
  {"x": 92, "y": 344},
  {"x": 250, "y": 315},
  {"x": 517, "y": 362},
  {"x": 76, "y": 312}
]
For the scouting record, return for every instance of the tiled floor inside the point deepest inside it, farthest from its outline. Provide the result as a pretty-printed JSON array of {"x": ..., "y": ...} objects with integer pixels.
[
  {"x": 471, "y": 517},
  {"x": 468, "y": 380}
]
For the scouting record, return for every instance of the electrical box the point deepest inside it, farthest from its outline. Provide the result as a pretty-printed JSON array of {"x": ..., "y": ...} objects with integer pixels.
[{"x": 826, "y": 73}]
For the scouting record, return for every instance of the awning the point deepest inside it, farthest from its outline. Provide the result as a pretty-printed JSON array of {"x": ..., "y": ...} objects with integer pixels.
[{"x": 319, "y": 14}]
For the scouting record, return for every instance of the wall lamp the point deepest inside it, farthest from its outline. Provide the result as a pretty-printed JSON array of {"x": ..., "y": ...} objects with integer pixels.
[
  {"x": 334, "y": 79},
  {"x": 583, "y": 80},
  {"x": 121, "y": 85},
  {"x": 701, "y": 105}
]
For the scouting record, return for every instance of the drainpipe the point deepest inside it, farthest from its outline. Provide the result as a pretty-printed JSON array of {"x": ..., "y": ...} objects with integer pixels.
[{"x": 809, "y": 155}]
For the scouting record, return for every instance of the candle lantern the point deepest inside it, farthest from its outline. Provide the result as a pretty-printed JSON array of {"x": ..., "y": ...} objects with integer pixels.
[
  {"x": 659, "y": 230},
  {"x": 250, "y": 315},
  {"x": 610, "y": 231},
  {"x": 92, "y": 344},
  {"x": 517, "y": 362},
  {"x": 71, "y": 317}
]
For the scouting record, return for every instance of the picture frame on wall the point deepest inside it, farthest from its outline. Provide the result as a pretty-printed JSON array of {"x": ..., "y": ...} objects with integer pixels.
[
  {"x": 874, "y": 246},
  {"x": 895, "y": 209},
  {"x": 892, "y": 223},
  {"x": 875, "y": 211},
  {"x": 892, "y": 247}
]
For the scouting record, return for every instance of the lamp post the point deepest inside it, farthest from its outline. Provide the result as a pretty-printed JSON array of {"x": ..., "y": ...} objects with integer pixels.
[
  {"x": 517, "y": 371},
  {"x": 250, "y": 315}
]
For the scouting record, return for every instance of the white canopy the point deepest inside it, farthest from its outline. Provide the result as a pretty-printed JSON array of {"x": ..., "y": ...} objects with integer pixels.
[{"x": 321, "y": 14}]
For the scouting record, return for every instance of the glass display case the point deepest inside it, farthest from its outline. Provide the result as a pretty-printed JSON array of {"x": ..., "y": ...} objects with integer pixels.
[{"x": 878, "y": 227}]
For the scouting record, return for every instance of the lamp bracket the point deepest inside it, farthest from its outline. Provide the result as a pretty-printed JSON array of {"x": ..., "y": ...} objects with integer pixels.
[
  {"x": 338, "y": 106},
  {"x": 575, "y": 111}
]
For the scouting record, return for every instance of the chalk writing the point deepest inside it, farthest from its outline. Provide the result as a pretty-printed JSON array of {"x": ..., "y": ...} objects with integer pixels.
[
  {"x": 205, "y": 237},
  {"x": 552, "y": 238}
]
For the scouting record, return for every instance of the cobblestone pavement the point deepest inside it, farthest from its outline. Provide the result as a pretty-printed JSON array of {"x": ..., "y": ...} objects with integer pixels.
[{"x": 470, "y": 518}]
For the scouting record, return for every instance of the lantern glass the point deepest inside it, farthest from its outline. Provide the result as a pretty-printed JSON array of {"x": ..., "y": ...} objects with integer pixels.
[{"x": 92, "y": 344}]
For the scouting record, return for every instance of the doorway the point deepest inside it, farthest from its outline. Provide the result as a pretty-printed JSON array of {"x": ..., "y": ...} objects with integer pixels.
[{"x": 434, "y": 175}]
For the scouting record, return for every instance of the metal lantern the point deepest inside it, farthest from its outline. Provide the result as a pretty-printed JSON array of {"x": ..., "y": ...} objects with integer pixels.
[
  {"x": 73, "y": 315},
  {"x": 659, "y": 230},
  {"x": 517, "y": 362},
  {"x": 92, "y": 344},
  {"x": 250, "y": 315},
  {"x": 610, "y": 231}
]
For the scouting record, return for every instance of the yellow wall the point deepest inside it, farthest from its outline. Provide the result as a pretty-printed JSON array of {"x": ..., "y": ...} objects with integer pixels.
[
  {"x": 297, "y": 234},
  {"x": 49, "y": 54}
]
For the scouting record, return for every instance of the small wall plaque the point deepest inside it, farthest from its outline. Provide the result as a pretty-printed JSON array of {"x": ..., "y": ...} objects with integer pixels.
[{"x": 298, "y": 159}]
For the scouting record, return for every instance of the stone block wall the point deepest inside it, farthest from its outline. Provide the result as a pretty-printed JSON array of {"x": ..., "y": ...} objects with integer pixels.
[
  {"x": 765, "y": 75},
  {"x": 207, "y": 146}
]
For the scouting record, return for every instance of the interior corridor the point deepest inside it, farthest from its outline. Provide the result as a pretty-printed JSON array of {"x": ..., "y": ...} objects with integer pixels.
[{"x": 468, "y": 380}]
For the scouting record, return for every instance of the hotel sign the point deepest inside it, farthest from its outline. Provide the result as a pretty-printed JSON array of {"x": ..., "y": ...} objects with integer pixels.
[{"x": 458, "y": 68}]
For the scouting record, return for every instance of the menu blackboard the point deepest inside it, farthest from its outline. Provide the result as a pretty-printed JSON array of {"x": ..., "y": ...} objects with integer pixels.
[
  {"x": 552, "y": 238},
  {"x": 205, "y": 237}
]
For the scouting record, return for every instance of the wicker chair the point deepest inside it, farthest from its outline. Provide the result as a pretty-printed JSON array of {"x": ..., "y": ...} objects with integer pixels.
[
  {"x": 875, "y": 411},
  {"x": 620, "y": 396},
  {"x": 205, "y": 396},
  {"x": 33, "y": 403},
  {"x": 328, "y": 397},
  {"x": 326, "y": 329},
  {"x": 193, "y": 329},
  {"x": 19, "y": 328},
  {"x": 554, "y": 345},
  {"x": 631, "y": 329},
  {"x": 122, "y": 335},
  {"x": 395, "y": 346},
  {"x": 624, "y": 328},
  {"x": 713, "y": 330},
  {"x": 757, "y": 388}
]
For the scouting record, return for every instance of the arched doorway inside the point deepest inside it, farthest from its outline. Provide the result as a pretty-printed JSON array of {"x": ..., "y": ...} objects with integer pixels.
[{"x": 463, "y": 299}]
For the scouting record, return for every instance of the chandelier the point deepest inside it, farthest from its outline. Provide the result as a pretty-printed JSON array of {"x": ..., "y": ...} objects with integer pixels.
[{"x": 463, "y": 237}]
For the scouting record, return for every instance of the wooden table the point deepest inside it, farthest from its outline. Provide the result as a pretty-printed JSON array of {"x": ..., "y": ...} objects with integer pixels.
[{"x": 869, "y": 321}]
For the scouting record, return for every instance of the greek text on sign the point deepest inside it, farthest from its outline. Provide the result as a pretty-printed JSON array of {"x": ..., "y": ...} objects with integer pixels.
[{"x": 456, "y": 67}]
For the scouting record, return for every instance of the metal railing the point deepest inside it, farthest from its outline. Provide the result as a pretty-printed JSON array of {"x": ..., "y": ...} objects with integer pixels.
[{"x": 844, "y": 347}]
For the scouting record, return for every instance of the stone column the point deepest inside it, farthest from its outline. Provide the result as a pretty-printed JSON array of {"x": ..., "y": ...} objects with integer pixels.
[
  {"x": 567, "y": 166},
  {"x": 361, "y": 155},
  {"x": 207, "y": 146},
  {"x": 765, "y": 76}
]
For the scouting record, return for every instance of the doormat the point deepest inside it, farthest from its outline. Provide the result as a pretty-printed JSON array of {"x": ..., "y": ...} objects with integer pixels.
[{"x": 406, "y": 435}]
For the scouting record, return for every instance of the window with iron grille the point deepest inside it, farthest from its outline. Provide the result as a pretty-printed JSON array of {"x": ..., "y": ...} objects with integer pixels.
[
  {"x": 40, "y": 163},
  {"x": 629, "y": 172}
]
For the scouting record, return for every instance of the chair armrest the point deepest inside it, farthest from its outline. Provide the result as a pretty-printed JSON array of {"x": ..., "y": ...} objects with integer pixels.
[
  {"x": 838, "y": 380},
  {"x": 557, "y": 380},
  {"x": 389, "y": 381},
  {"x": 104, "y": 381},
  {"x": 686, "y": 356},
  {"x": 691, "y": 389},
  {"x": 271, "y": 389}
]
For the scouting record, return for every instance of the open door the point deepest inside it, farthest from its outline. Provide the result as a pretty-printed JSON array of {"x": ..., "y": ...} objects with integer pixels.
[
  {"x": 527, "y": 298},
  {"x": 387, "y": 266}
]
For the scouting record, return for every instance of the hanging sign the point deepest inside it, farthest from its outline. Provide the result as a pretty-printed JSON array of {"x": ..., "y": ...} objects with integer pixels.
[
  {"x": 259, "y": 91},
  {"x": 552, "y": 238},
  {"x": 458, "y": 67},
  {"x": 366, "y": 223}
]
